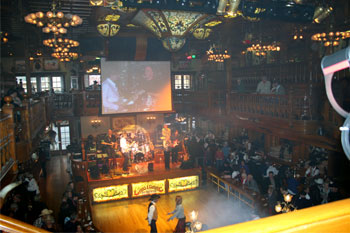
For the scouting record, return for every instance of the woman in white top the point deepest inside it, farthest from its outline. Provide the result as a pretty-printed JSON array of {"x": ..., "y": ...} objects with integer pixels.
[{"x": 179, "y": 213}]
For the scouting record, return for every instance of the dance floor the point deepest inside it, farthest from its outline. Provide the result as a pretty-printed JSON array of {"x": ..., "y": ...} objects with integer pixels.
[{"x": 214, "y": 210}]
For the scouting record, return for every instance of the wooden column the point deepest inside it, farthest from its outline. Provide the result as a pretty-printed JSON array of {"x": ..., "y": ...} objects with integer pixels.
[
  {"x": 299, "y": 152},
  {"x": 228, "y": 64},
  {"x": 8, "y": 109}
]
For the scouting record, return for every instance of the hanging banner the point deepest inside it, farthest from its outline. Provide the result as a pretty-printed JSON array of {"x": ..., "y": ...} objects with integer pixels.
[
  {"x": 110, "y": 193},
  {"x": 183, "y": 183},
  {"x": 148, "y": 188}
]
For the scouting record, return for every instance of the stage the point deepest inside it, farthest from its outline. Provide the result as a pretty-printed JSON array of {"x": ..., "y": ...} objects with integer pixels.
[{"x": 138, "y": 181}]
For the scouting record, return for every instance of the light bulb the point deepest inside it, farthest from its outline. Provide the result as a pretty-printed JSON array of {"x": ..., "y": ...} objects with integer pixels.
[
  {"x": 39, "y": 14},
  {"x": 49, "y": 14},
  {"x": 60, "y": 14}
]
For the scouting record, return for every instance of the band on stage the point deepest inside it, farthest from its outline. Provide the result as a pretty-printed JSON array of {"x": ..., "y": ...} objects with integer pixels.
[{"x": 133, "y": 147}]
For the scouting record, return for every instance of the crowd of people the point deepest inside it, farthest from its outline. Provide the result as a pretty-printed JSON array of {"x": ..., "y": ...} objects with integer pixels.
[
  {"x": 24, "y": 203},
  {"x": 244, "y": 163}
]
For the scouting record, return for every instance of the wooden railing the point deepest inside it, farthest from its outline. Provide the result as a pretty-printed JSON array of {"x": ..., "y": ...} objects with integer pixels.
[
  {"x": 8, "y": 224},
  {"x": 29, "y": 122},
  {"x": 236, "y": 192},
  {"x": 7, "y": 143},
  {"x": 293, "y": 107},
  {"x": 287, "y": 74},
  {"x": 331, "y": 217}
]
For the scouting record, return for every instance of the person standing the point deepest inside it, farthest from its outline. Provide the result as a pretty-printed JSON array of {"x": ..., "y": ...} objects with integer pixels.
[
  {"x": 277, "y": 88},
  {"x": 179, "y": 213},
  {"x": 110, "y": 143},
  {"x": 167, "y": 155},
  {"x": 124, "y": 147},
  {"x": 166, "y": 135},
  {"x": 264, "y": 86},
  {"x": 175, "y": 146},
  {"x": 152, "y": 215}
]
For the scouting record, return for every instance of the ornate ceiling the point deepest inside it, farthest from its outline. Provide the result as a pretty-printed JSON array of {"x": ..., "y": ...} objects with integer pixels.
[{"x": 274, "y": 21}]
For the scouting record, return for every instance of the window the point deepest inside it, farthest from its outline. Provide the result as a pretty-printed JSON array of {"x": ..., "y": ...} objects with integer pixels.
[
  {"x": 94, "y": 77},
  {"x": 187, "y": 81},
  {"x": 178, "y": 82},
  {"x": 34, "y": 84},
  {"x": 63, "y": 135},
  {"x": 57, "y": 83},
  {"x": 182, "y": 81},
  {"x": 22, "y": 79},
  {"x": 74, "y": 82},
  {"x": 45, "y": 83}
]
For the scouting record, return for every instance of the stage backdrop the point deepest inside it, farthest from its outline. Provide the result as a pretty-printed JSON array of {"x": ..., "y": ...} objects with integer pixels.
[{"x": 134, "y": 86}]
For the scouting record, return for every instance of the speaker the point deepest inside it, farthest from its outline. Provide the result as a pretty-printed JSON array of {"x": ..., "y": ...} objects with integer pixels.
[
  {"x": 94, "y": 172},
  {"x": 150, "y": 167},
  {"x": 105, "y": 169}
]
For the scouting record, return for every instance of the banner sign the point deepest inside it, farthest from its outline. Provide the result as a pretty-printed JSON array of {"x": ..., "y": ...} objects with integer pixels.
[
  {"x": 110, "y": 193},
  {"x": 148, "y": 188},
  {"x": 183, "y": 183}
]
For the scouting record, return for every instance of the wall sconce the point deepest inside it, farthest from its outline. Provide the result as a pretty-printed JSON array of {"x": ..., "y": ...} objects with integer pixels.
[
  {"x": 151, "y": 118},
  {"x": 95, "y": 123}
]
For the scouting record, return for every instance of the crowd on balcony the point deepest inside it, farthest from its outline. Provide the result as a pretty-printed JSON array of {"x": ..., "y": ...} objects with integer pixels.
[
  {"x": 244, "y": 163},
  {"x": 263, "y": 87},
  {"x": 17, "y": 96}
]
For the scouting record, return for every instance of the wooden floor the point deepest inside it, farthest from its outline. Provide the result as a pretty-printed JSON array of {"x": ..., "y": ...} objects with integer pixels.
[
  {"x": 53, "y": 187},
  {"x": 129, "y": 215}
]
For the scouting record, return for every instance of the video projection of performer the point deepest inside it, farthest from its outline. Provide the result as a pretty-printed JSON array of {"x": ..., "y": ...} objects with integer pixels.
[{"x": 135, "y": 86}]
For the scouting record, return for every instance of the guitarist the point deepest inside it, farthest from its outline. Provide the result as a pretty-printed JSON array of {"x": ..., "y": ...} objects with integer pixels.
[
  {"x": 176, "y": 139},
  {"x": 110, "y": 142}
]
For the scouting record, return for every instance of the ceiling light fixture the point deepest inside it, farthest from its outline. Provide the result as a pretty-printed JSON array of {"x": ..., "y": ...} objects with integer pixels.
[
  {"x": 171, "y": 26},
  {"x": 217, "y": 54},
  {"x": 60, "y": 42},
  {"x": 231, "y": 5},
  {"x": 321, "y": 13},
  {"x": 261, "y": 50},
  {"x": 107, "y": 25},
  {"x": 330, "y": 38},
  {"x": 53, "y": 21},
  {"x": 65, "y": 56}
]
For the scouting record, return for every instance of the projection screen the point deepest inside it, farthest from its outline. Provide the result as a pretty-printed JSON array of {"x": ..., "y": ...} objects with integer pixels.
[{"x": 135, "y": 86}]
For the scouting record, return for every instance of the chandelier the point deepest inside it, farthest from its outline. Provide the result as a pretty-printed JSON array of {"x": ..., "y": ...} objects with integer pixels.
[
  {"x": 61, "y": 48},
  {"x": 65, "y": 56},
  {"x": 95, "y": 69},
  {"x": 172, "y": 26},
  {"x": 53, "y": 21},
  {"x": 61, "y": 43},
  {"x": 217, "y": 54},
  {"x": 261, "y": 50},
  {"x": 330, "y": 38}
]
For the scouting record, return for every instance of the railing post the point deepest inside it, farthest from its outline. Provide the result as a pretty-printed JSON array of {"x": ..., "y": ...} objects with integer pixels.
[
  {"x": 8, "y": 109},
  {"x": 290, "y": 104},
  {"x": 228, "y": 64}
]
